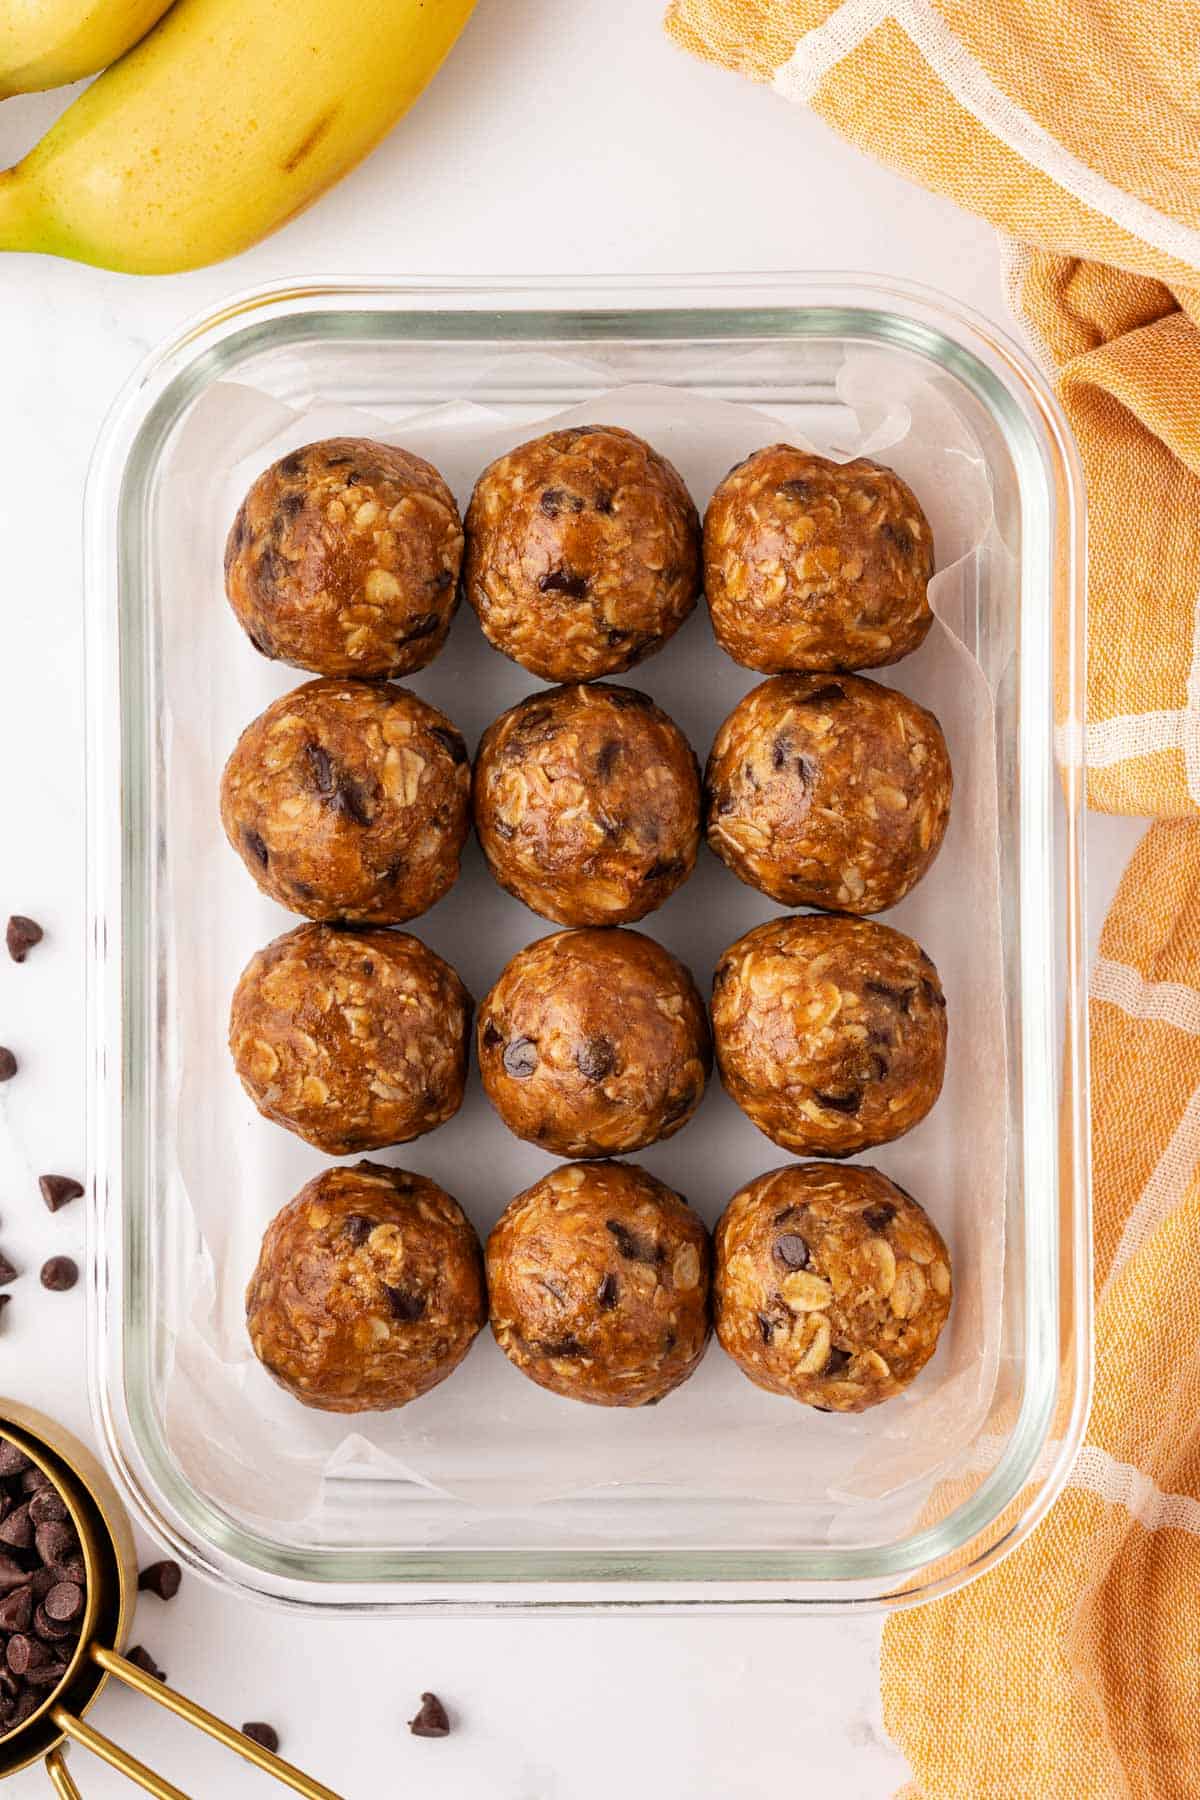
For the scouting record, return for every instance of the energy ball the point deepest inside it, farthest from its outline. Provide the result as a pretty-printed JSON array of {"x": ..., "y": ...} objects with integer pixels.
[
  {"x": 583, "y": 552},
  {"x": 587, "y": 804},
  {"x": 349, "y": 800},
  {"x": 599, "y": 1284},
  {"x": 369, "y": 1290},
  {"x": 830, "y": 1032},
  {"x": 831, "y": 1285},
  {"x": 351, "y": 1039},
  {"x": 593, "y": 1043},
  {"x": 828, "y": 790},
  {"x": 344, "y": 559},
  {"x": 811, "y": 564}
]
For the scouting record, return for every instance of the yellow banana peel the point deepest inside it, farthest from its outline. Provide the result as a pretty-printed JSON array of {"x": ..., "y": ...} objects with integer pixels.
[
  {"x": 227, "y": 120},
  {"x": 48, "y": 43}
]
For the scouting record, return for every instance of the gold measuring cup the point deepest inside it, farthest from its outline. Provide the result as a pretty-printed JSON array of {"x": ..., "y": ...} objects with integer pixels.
[{"x": 110, "y": 1560}]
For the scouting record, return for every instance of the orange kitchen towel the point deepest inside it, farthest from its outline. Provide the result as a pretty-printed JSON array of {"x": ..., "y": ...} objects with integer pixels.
[{"x": 1072, "y": 1672}]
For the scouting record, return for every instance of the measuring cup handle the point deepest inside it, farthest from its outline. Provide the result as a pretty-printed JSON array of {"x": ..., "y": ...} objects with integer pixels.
[
  {"x": 234, "y": 1740},
  {"x": 114, "y": 1756},
  {"x": 60, "y": 1779}
]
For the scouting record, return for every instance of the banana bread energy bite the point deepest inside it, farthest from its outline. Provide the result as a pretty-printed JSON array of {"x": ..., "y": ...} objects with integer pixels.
[
  {"x": 349, "y": 800},
  {"x": 583, "y": 552},
  {"x": 344, "y": 558},
  {"x": 587, "y": 804},
  {"x": 592, "y": 1043},
  {"x": 351, "y": 1039},
  {"x": 830, "y": 1032},
  {"x": 811, "y": 564},
  {"x": 828, "y": 790},
  {"x": 369, "y": 1290},
  {"x": 831, "y": 1285},
  {"x": 599, "y": 1285}
]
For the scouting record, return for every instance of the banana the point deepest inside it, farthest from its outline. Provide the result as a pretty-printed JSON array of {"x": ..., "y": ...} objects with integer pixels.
[
  {"x": 227, "y": 120},
  {"x": 47, "y": 43}
]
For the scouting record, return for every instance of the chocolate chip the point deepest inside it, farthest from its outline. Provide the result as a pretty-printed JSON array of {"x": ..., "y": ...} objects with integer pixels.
[
  {"x": 766, "y": 1327},
  {"x": 21, "y": 936},
  {"x": 17, "y": 1529},
  {"x": 897, "y": 535},
  {"x": 320, "y": 765},
  {"x": 260, "y": 1733},
  {"x": 7, "y": 1272},
  {"x": 432, "y": 1721},
  {"x": 357, "y": 1228},
  {"x": 425, "y": 624},
  {"x": 404, "y": 1303},
  {"x": 60, "y": 1274},
  {"x": 878, "y": 1218},
  {"x": 8, "y": 1063},
  {"x": 161, "y": 1578},
  {"x": 142, "y": 1659},
  {"x": 604, "y": 501},
  {"x": 256, "y": 847},
  {"x": 439, "y": 583},
  {"x": 607, "y": 758},
  {"x": 289, "y": 508},
  {"x": 25, "y": 1653},
  {"x": 820, "y": 696},
  {"x": 32, "y": 1479},
  {"x": 16, "y": 1609},
  {"x": 806, "y": 771},
  {"x": 64, "y": 1602},
  {"x": 632, "y": 1247},
  {"x": 520, "y": 1058},
  {"x": 12, "y": 1460},
  {"x": 795, "y": 489},
  {"x": 836, "y": 1361},
  {"x": 48, "y": 1674},
  {"x": 562, "y": 581},
  {"x": 451, "y": 741},
  {"x": 932, "y": 992},
  {"x": 12, "y": 1575},
  {"x": 791, "y": 1250},
  {"x": 789, "y": 1213},
  {"x": 293, "y": 463},
  {"x": 491, "y": 1036},
  {"x": 608, "y": 1293},
  {"x": 842, "y": 1103},
  {"x": 350, "y": 802},
  {"x": 558, "y": 500},
  {"x": 564, "y": 1346},
  {"x": 55, "y": 1541},
  {"x": 58, "y": 1190},
  {"x": 46, "y": 1506},
  {"x": 663, "y": 868},
  {"x": 595, "y": 1058},
  {"x": 895, "y": 996}
]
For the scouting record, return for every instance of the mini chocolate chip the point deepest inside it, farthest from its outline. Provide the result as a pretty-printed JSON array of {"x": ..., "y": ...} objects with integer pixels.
[
  {"x": 615, "y": 635},
  {"x": 432, "y": 1721},
  {"x": 451, "y": 741},
  {"x": 260, "y": 1733},
  {"x": 607, "y": 758},
  {"x": 71, "y": 1570},
  {"x": 558, "y": 500},
  {"x": 676, "y": 1105},
  {"x": 504, "y": 830},
  {"x": 791, "y": 1250},
  {"x": 795, "y": 489},
  {"x": 779, "y": 753},
  {"x": 7, "y": 1272},
  {"x": 12, "y": 1460},
  {"x": 439, "y": 583},
  {"x": 21, "y": 936},
  {"x": 608, "y": 1293},
  {"x": 820, "y": 696},
  {"x": 932, "y": 993},
  {"x": 879, "y": 1067},
  {"x": 595, "y": 1058},
  {"x": 843, "y": 1103},
  {"x": 669, "y": 1342},
  {"x": 604, "y": 501},
  {"x": 59, "y": 1274},
  {"x": 350, "y": 802},
  {"x": 8, "y": 1063},
  {"x": 662, "y": 868},
  {"x": 423, "y": 626},
  {"x": 320, "y": 765},
  {"x": 836, "y": 1362},
  {"x": 897, "y": 535},
  {"x": 878, "y": 1218},
  {"x": 290, "y": 506},
  {"x": 806, "y": 770},
  {"x": 47, "y": 1507},
  {"x": 789, "y": 1212},
  {"x": 632, "y": 1247},
  {"x": 64, "y": 1602},
  {"x": 562, "y": 581},
  {"x": 896, "y": 996},
  {"x": 16, "y": 1609},
  {"x": 357, "y": 1227},
  {"x": 491, "y": 1035},
  {"x": 405, "y": 1304},
  {"x": 58, "y": 1190},
  {"x": 766, "y": 1327},
  {"x": 564, "y": 1346},
  {"x": 256, "y": 847},
  {"x": 396, "y": 869},
  {"x": 142, "y": 1659},
  {"x": 161, "y": 1578},
  {"x": 293, "y": 463},
  {"x": 17, "y": 1529},
  {"x": 520, "y": 1058}
]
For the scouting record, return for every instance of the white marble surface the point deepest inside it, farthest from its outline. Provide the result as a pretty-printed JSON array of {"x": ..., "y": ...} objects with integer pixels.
[{"x": 559, "y": 138}]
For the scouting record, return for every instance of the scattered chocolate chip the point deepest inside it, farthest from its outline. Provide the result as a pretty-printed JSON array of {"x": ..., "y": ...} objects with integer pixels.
[
  {"x": 791, "y": 1250},
  {"x": 8, "y": 1063},
  {"x": 843, "y": 1103},
  {"x": 608, "y": 1293},
  {"x": 932, "y": 992},
  {"x": 404, "y": 1303},
  {"x": 780, "y": 751},
  {"x": 663, "y": 868},
  {"x": 16, "y": 1531},
  {"x": 631, "y": 700},
  {"x": 607, "y": 758},
  {"x": 766, "y": 1327},
  {"x": 632, "y": 1247},
  {"x": 595, "y": 1058},
  {"x": 58, "y": 1190},
  {"x": 520, "y": 1058},
  {"x": 604, "y": 501},
  {"x": 60, "y": 1274},
  {"x": 564, "y": 1346},
  {"x": 821, "y": 696},
  {"x": 256, "y": 847},
  {"x": 320, "y": 766},
  {"x": 878, "y": 1218},
  {"x": 161, "y": 1578},
  {"x": 432, "y": 1721},
  {"x": 898, "y": 536},
  {"x": 895, "y": 996},
  {"x": 7, "y": 1272},
  {"x": 562, "y": 581},
  {"x": 792, "y": 490},
  {"x": 451, "y": 742},
  {"x": 293, "y": 463},
  {"x": 491, "y": 1036},
  {"x": 557, "y": 500},
  {"x": 22, "y": 934},
  {"x": 260, "y": 1733},
  {"x": 142, "y": 1659},
  {"x": 836, "y": 1362},
  {"x": 357, "y": 1227},
  {"x": 350, "y": 803}
]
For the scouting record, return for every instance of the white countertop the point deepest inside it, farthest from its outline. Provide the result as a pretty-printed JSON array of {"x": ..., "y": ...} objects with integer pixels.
[{"x": 568, "y": 139}]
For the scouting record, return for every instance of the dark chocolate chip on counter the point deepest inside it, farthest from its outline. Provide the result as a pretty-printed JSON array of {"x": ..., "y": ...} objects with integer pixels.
[
  {"x": 22, "y": 934},
  {"x": 260, "y": 1733},
  {"x": 142, "y": 1659},
  {"x": 60, "y": 1274},
  {"x": 161, "y": 1578},
  {"x": 4, "y": 1300},
  {"x": 8, "y": 1063},
  {"x": 7, "y": 1272},
  {"x": 432, "y": 1721},
  {"x": 58, "y": 1190}
]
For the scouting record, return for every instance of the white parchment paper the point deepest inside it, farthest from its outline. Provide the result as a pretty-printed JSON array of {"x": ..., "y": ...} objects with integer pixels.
[{"x": 487, "y": 1437}]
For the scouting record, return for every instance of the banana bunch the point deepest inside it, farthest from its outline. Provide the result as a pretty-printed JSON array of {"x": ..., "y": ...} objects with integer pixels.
[
  {"x": 226, "y": 120},
  {"x": 47, "y": 43}
]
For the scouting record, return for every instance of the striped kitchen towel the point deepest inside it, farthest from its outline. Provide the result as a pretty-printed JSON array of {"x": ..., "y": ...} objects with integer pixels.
[{"x": 1072, "y": 1672}]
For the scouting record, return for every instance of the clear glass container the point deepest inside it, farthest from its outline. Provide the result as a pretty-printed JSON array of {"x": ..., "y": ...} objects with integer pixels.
[{"x": 724, "y": 1497}]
